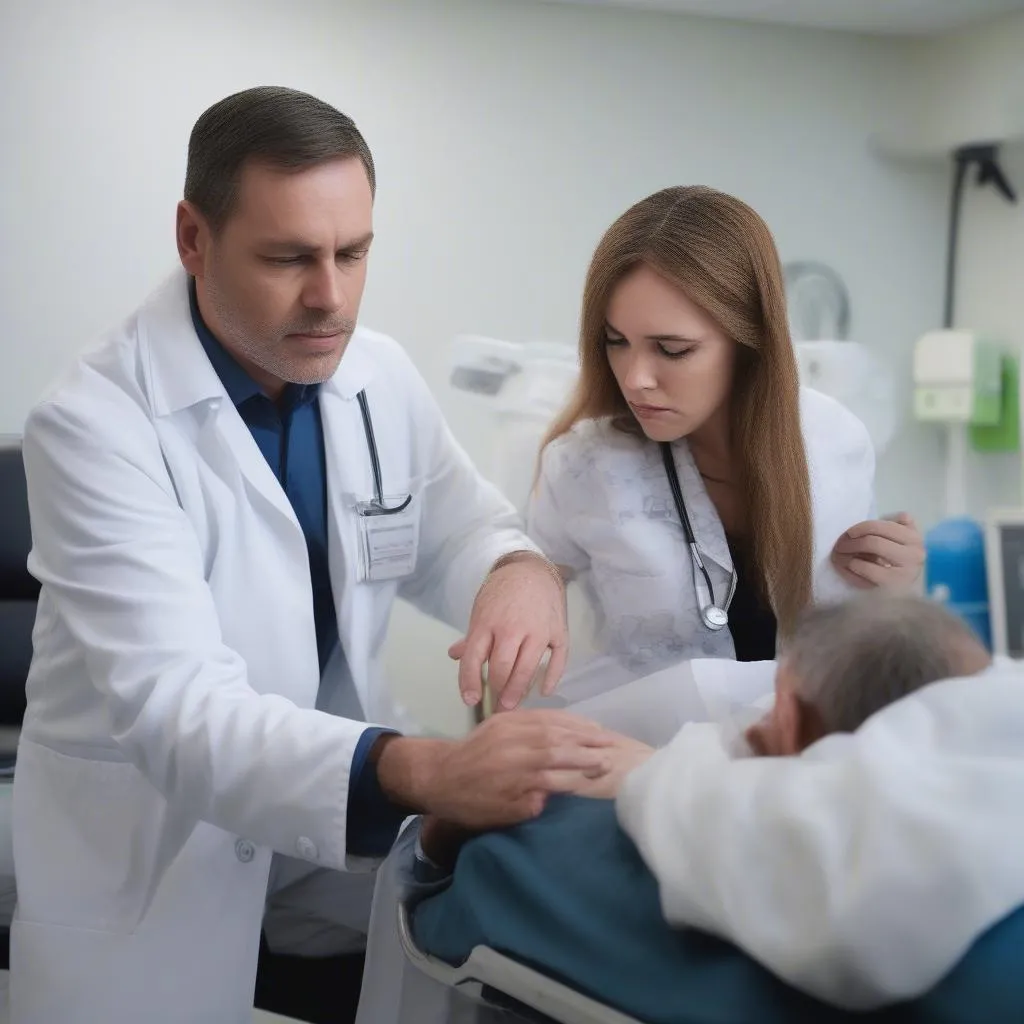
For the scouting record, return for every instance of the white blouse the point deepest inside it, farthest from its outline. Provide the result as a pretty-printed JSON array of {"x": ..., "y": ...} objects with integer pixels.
[{"x": 603, "y": 509}]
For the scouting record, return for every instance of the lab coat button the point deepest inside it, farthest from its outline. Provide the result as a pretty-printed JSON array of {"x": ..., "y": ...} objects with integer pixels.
[
  {"x": 244, "y": 850},
  {"x": 307, "y": 848}
]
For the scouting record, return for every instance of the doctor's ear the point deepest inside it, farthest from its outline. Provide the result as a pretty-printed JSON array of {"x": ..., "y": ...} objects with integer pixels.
[{"x": 192, "y": 234}]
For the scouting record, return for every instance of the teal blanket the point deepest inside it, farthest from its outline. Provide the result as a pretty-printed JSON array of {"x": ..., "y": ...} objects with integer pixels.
[{"x": 569, "y": 895}]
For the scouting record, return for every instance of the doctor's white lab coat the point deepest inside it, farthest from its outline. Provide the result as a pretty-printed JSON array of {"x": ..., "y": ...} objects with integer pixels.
[{"x": 170, "y": 745}]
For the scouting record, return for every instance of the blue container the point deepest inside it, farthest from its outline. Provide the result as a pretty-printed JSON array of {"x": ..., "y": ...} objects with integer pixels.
[{"x": 955, "y": 574}]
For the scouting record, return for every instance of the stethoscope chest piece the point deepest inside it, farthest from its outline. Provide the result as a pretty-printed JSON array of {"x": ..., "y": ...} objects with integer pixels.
[{"x": 714, "y": 618}]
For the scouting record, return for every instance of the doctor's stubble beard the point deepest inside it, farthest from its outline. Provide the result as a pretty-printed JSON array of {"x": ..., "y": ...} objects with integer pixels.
[{"x": 269, "y": 347}]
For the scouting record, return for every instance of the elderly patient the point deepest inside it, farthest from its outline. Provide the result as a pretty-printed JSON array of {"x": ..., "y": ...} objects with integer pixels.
[
  {"x": 847, "y": 661},
  {"x": 585, "y": 900}
]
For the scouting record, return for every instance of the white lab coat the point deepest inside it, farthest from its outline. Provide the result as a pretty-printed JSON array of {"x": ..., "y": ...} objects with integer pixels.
[
  {"x": 863, "y": 870},
  {"x": 603, "y": 509},
  {"x": 170, "y": 745}
]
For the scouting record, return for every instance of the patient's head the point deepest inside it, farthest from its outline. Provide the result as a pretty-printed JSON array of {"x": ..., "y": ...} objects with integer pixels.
[{"x": 845, "y": 662}]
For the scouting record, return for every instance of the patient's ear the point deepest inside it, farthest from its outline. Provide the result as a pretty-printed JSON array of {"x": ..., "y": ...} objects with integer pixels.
[
  {"x": 784, "y": 723},
  {"x": 798, "y": 723},
  {"x": 776, "y": 735},
  {"x": 788, "y": 714},
  {"x": 791, "y": 726},
  {"x": 810, "y": 726}
]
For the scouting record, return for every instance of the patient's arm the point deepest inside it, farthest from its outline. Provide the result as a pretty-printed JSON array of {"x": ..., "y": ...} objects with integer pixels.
[{"x": 440, "y": 841}]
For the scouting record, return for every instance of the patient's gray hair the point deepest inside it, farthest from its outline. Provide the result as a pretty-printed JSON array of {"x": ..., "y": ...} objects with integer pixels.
[{"x": 852, "y": 659}]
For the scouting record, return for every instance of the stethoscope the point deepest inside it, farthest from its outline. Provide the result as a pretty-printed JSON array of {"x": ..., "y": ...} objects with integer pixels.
[
  {"x": 712, "y": 615},
  {"x": 376, "y": 507}
]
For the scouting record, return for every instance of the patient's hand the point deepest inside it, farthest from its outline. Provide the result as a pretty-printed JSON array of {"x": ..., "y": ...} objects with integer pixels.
[{"x": 624, "y": 755}]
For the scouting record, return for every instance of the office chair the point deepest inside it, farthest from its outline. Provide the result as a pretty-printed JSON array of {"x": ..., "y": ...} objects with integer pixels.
[
  {"x": 18, "y": 590},
  {"x": 18, "y": 595}
]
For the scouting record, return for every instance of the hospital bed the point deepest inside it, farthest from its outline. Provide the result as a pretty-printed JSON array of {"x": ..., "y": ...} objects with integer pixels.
[
  {"x": 702, "y": 979},
  {"x": 404, "y": 985},
  {"x": 492, "y": 987}
]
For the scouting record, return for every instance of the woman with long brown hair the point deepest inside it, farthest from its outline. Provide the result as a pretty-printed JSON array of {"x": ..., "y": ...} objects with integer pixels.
[{"x": 699, "y": 494}]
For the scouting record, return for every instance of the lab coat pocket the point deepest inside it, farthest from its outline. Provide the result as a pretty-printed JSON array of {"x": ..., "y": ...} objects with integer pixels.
[{"x": 111, "y": 829}]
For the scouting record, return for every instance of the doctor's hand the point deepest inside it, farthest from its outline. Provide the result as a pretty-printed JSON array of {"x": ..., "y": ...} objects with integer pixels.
[
  {"x": 885, "y": 553},
  {"x": 501, "y": 774},
  {"x": 441, "y": 840},
  {"x": 519, "y": 615}
]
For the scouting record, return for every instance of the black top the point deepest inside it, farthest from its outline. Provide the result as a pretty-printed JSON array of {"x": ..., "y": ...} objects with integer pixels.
[{"x": 751, "y": 621}]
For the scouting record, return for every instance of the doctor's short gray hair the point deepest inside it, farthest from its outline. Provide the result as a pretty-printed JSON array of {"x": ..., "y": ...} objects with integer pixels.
[
  {"x": 850, "y": 660},
  {"x": 283, "y": 128}
]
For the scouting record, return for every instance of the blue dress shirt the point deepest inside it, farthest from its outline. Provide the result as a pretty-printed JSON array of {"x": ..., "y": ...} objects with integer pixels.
[{"x": 290, "y": 435}]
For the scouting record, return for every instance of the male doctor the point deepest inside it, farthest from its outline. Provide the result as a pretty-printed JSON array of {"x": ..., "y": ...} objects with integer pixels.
[{"x": 226, "y": 498}]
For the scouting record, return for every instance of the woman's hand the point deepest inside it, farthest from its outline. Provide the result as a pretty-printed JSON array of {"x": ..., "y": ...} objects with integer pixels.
[{"x": 885, "y": 553}]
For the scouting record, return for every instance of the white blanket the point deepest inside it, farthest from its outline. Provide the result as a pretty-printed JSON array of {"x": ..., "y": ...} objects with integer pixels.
[
  {"x": 653, "y": 709},
  {"x": 861, "y": 871}
]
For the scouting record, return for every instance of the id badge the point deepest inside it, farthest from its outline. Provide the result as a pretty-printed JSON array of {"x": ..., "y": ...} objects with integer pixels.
[{"x": 388, "y": 540}]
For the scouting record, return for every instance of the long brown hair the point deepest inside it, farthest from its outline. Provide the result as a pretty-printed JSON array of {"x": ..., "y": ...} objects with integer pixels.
[{"x": 720, "y": 253}]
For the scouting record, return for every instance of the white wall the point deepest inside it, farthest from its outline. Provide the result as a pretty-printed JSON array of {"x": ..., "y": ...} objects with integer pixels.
[
  {"x": 965, "y": 86},
  {"x": 507, "y": 136}
]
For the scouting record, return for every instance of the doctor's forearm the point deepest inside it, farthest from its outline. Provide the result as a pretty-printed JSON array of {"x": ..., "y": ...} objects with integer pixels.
[{"x": 406, "y": 769}]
